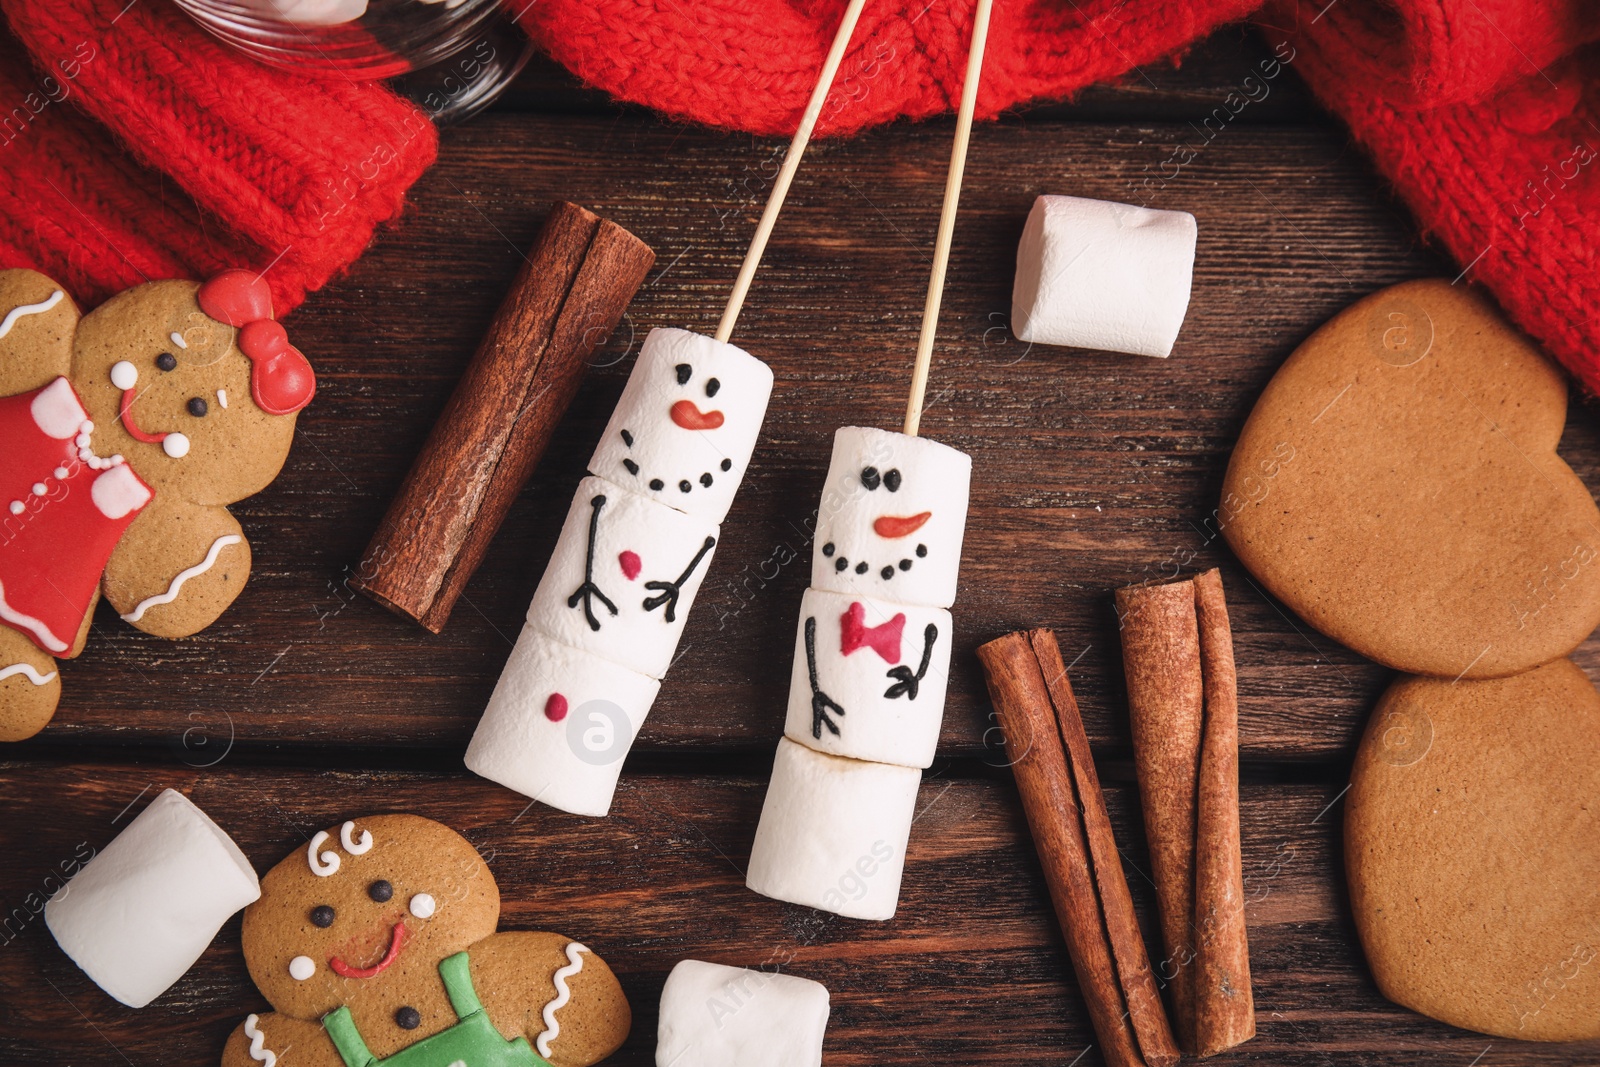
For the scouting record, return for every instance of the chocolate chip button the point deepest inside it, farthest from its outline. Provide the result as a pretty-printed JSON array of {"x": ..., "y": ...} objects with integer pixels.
[
  {"x": 322, "y": 916},
  {"x": 407, "y": 1018},
  {"x": 167, "y": 361},
  {"x": 380, "y": 891},
  {"x": 196, "y": 406}
]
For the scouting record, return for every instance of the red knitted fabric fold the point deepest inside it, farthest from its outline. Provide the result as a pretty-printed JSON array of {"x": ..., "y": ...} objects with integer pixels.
[
  {"x": 1506, "y": 182},
  {"x": 751, "y": 64},
  {"x": 1425, "y": 53},
  {"x": 247, "y": 166}
]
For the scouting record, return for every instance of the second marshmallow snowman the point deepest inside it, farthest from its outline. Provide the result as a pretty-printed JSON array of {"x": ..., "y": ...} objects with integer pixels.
[{"x": 872, "y": 656}]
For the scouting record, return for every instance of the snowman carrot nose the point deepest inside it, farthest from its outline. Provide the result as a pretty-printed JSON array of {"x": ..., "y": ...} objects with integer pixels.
[
  {"x": 685, "y": 414},
  {"x": 892, "y": 526}
]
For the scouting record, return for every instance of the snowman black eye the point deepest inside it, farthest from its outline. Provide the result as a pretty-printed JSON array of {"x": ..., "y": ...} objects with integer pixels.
[
  {"x": 712, "y": 386},
  {"x": 684, "y": 370},
  {"x": 167, "y": 361},
  {"x": 870, "y": 477},
  {"x": 322, "y": 916},
  {"x": 891, "y": 479}
]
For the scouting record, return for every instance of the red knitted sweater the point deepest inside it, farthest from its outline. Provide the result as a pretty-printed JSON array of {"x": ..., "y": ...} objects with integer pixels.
[{"x": 137, "y": 147}]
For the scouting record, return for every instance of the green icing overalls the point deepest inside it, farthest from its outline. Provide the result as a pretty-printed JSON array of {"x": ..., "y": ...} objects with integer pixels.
[{"x": 471, "y": 1042}]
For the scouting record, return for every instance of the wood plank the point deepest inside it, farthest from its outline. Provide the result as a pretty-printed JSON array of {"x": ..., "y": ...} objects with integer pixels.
[
  {"x": 971, "y": 971},
  {"x": 1092, "y": 470}
]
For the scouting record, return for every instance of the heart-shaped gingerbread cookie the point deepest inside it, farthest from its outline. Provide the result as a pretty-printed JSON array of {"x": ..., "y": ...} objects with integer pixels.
[
  {"x": 1397, "y": 485},
  {"x": 1472, "y": 844}
]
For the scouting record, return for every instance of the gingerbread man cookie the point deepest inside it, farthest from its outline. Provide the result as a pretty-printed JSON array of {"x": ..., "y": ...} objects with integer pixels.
[
  {"x": 376, "y": 946},
  {"x": 126, "y": 433}
]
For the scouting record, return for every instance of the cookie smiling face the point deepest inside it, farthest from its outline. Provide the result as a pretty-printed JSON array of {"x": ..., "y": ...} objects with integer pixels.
[
  {"x": 170, "y": 389},
  {"x": 686, "y": 423},
  {"x": 362, "y": 916},
  {"x": 892, "y": 518}
]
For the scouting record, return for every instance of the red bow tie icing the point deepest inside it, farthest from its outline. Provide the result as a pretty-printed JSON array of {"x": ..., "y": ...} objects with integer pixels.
[
  {"x": 281, "y": 381},
  {"x": 854, "y": 633}
]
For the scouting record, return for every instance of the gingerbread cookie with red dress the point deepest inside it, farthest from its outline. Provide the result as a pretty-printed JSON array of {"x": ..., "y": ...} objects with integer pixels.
[
  {"x": 126, "y": 433},
  {"x": 376, "y": 945}
]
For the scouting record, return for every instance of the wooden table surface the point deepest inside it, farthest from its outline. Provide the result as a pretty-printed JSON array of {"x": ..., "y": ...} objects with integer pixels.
[{"x": 306, "y": 704}]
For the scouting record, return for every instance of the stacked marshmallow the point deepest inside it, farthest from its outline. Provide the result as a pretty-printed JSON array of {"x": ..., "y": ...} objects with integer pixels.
[
  {"x": 606, "y": 618},
  {"x": 866, "y": 694}
]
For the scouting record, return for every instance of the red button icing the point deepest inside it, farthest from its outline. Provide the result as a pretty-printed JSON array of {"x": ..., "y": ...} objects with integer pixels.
[{"x": 555, "y": 709}]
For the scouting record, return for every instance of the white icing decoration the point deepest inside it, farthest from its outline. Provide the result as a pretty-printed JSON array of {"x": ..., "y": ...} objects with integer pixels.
[
  {"x": 222, "y": 398},
  {"x": 38, "y": 489},
  {"x": 124, "y": 375},
  {"x": 302, "y": 967},
  {"x": 27, "y": 622},
  {"x": 172, "y": 594},
  {"x": 563, "y": 994},
  {"x": 422, "y": 905},
  {"x": 327, "y": 863},
  {"x": 258, "y": 1050},
  {"x": 17, "y": 507},
  {"x": 29, "y": 309},
  {"x": 175, "y": 445},
  {"x": 118, "y": 492},
  {"x": 353, "y": 843},
  {"x": 178, "y": 340},
  {"x": 56, "y": 411},
  {"x": 61, "y": 473},
  {"x": 27, "y": 669}
]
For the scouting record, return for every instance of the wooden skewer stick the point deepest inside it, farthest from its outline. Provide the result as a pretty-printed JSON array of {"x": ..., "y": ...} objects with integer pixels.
[
  {"x": 947, "y": 218},
  {"x": 791, "y": 163}
]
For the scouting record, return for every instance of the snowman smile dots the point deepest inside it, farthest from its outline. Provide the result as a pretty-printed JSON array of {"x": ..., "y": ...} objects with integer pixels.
[{"x": 685, "y": 414}]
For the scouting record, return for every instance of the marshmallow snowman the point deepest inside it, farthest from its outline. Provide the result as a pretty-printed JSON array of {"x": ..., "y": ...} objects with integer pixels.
[
  {"x": 866, "y": 693},
  {"x": 605, "y": 621}
]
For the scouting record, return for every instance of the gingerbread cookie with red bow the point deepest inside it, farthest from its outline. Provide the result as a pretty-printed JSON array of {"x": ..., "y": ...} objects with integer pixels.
[
  {"x": 126, "y": 433},
  {"x": 376, "y": 945}
]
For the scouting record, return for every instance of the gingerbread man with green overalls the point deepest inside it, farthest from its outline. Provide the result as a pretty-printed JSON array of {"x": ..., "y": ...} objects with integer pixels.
[{"x": 376, "y": 947}]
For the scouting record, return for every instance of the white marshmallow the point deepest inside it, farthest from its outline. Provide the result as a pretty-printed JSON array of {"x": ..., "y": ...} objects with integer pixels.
[
  {"x": 669, "y": 423},
  {"x": 1097, "y": 274},
  {"x": 868, "y": 542},
  {"x": 143, "y": 910},
  {"x": 861, "y": 651},
  {"x": 718, "y": 1016},
  {"x": 633, "y": 535},
  {"x": 559, "y": 725},
  {"x": 833, "y": 832}
]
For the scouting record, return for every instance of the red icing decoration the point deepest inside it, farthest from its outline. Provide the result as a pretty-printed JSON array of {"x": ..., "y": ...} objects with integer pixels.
[
  {"x": 281, "y": 381},
  {"x": 631, "y": 564},
  {"x": 854, "y": 633},
  {"x": 53, "y": 554},
  {"x": 892, "y": 526},
  {"x": 397, "y": 941},
  {"x": 555, "y": 709},
  {"x": 126, "y": 415},
  {"x": 685, "y": 414},
  {"x": 236, "y": 297}
]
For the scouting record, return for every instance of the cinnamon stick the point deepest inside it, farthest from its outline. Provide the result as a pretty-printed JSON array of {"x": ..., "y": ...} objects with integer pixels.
[
  {"x": 1177, "y": 652},
  {"x": 1066, "y": 812},
  {"x": 574, "y": 285}
]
